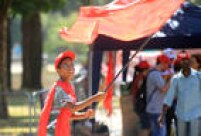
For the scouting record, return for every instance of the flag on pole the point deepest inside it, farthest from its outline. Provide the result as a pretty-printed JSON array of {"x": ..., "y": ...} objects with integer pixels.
[{"x": 124, "y": 20}]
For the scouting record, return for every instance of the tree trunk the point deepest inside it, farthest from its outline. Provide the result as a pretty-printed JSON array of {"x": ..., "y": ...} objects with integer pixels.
[
  {"x": 3, "y": 56},
  {"x": 32, "y": 51},
  {"x": 8, "y": 55}
]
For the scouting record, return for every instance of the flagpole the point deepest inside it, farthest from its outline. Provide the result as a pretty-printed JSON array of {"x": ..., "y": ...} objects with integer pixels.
[{"x": 131, "y": 58}]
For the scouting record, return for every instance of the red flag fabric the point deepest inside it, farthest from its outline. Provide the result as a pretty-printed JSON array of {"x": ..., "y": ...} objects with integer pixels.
[
  {"x": 124, "y": 20},
  {"x": 63, "y": 119},
  {"x": 107, "y": 103}
]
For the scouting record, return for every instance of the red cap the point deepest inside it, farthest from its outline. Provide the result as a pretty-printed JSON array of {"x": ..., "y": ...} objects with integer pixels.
[
  {"x": 177, "y": 61},
  {"x": 61, "y": 56},
  {"x": 163, "y": 59},
  {"x": 183, "y": 55},
  {"x": 143, "y": 64}
]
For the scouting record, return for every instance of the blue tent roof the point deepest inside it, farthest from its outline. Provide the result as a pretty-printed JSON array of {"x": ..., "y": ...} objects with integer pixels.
[
  {"x": 183, "y": 30},
  {"x": 185, "y": 22}
]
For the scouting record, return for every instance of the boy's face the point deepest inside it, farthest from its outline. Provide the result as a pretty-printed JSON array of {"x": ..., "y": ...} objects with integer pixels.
[{"x": 66, "y": 69}]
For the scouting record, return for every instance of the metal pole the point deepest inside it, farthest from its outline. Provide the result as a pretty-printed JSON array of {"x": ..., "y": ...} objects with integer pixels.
[
  {"x": 34, "y": 95},
  {"x": 29, "y": 96}
]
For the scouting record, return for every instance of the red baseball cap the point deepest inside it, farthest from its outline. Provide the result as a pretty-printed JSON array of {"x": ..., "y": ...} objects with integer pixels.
[
  {"x": 143, "y": 64},
  {"x": 67, "y": 54},
  {"x": 177, "y": 61},
  {"x": 163, "y": 59},
  {"x": 183, "y": 55}
]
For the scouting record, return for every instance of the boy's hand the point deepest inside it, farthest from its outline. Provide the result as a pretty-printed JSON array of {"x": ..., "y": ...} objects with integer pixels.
[
  {"x": 100, "y": 96},
  {"x": 90, "y": 113}
]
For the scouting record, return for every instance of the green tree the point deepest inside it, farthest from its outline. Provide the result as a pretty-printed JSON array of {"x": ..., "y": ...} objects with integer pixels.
[
  {"x": 32, "y": 37},
  {"x": 65, "y": 17},
  {"x": 198, "y": 2},
  {"x": 53, "y": 44}
]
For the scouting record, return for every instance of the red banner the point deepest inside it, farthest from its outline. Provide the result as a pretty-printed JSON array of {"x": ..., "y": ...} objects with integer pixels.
[{"x": 124, "y": 20}]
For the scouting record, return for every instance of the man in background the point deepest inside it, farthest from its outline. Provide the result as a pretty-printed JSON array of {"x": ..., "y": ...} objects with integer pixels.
[
  {"x": 156, "y": 90},
  {"x": 186, "y": 87}
]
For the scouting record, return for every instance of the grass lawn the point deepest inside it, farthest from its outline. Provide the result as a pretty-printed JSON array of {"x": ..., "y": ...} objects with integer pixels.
[{"x": 19, "y": 121}]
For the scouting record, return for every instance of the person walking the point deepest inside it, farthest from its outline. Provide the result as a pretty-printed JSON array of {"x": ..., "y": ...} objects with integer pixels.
[
  {"x": 156, "y": 90},
  {"x": 186, "y": 87}
]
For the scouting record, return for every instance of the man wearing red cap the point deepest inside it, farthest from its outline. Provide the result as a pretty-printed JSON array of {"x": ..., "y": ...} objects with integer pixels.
[
  {"x": 186, "y": 87},
  {"x": 156, "y": 90},
  {"x": 61, "y": 106}
]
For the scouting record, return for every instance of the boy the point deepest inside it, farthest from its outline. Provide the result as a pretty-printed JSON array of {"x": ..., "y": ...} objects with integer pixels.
[{"x": 61, "y": 106}]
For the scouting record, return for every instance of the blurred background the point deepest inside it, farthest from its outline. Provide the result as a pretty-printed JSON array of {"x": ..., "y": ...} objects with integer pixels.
[{"x": 29, "y": 42}]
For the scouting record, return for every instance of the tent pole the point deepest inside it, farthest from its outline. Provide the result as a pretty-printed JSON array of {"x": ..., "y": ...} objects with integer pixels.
[{"x": 125, "y": 66}]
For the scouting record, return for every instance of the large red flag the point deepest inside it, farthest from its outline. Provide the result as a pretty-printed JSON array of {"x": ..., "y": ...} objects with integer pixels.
[{"x": 121, "y": 19}]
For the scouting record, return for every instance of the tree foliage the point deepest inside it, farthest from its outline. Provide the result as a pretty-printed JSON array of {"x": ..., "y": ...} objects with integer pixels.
[
  {"x": 53, "y": 44},
  {"x": 27, "y": 7},
  {"x": 198, "y": 2},
  {"x": 65, "y": 17},
  {"x": 32, "y": 37}
]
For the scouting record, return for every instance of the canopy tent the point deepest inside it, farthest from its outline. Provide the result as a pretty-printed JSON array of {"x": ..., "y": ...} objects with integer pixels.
[
  {"x": 125, "y": 24},
  {"x": 183, "y": 30},
  {"x": 122, "y": 21}
]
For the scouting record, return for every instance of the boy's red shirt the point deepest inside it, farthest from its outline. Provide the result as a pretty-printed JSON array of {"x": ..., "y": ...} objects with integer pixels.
[{"x": 63, "y": 119}]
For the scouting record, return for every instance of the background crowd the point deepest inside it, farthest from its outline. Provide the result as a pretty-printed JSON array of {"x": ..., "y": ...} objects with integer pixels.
[{"x": 166, "y": 96}]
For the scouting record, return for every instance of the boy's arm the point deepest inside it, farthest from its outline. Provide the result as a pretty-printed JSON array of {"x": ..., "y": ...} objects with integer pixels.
[
  {"x": 83, "y": 115},
  {"x": 83, "y": 104},
  {"x": 63, "y": 100}
]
